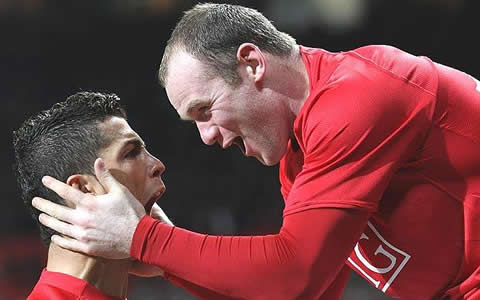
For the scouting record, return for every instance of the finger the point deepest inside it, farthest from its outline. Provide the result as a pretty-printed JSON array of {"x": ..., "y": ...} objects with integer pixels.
[
  {"x": 157, "y": 213},
  {"x": 70, "y": 244},
  {"x": 58, "y": 226},
  {"x": 55, "y": 210},
  {"x": 106, "y": 179},
  {"x": 71, "y": 195}
]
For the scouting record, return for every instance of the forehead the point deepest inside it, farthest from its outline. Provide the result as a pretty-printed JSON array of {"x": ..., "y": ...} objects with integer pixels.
[
  {"x": 187, "y": 81},
  {"x": 117, "y": 129}
]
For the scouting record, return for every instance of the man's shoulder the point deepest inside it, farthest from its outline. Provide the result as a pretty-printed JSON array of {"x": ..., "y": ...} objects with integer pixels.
[
  {"x": 371, "y": 62},
  {"x": 368, "y": 78},
  {"x": 415, "y": 70}
]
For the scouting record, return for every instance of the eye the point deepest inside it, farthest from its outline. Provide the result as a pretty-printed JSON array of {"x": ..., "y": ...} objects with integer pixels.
[
  {"x": 203, "y": 113},
  {"x": 203, "y": 109}
]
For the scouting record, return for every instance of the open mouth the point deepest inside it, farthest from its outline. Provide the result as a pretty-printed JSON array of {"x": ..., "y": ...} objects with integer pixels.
[
  {"x": 240, "y": 143},
  {"x": 153, "y": 200}
]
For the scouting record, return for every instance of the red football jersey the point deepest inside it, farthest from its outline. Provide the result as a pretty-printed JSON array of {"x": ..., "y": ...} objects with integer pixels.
[
  {"x": 384, "y": 162},
  {"x": 60, "y": 286},
  {"x": 398, "y": 136}
]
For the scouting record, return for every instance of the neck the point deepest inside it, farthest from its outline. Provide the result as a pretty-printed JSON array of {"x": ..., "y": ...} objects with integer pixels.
[
  {"x": 301, "y": 85},
  {"x": 108, "y": 276},
  {"x": 289, "y": 82}
]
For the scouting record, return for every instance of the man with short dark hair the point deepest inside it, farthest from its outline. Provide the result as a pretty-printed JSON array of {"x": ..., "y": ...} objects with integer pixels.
[
  {"x": 378, "y": 153},
  {"x": 64, "y": 141}
]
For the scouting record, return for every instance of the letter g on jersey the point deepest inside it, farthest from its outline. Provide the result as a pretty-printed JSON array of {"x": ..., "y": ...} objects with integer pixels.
[{"x": 380, "y": 266}]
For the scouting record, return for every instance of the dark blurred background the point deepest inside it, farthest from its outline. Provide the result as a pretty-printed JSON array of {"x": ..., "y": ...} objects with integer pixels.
[{"x": 50, "y": 49}]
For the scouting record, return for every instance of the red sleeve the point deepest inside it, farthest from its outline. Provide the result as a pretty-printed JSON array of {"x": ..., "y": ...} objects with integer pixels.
[
  {"x": 334, "y": 291},
  {"x": 301, "y": 261}
]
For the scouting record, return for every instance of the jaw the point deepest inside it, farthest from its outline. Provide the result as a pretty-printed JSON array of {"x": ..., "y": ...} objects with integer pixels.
[{"x": 272, "y": 154}]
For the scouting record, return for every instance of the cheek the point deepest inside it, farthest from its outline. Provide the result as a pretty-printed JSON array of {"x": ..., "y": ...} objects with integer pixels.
[
  {"x": 138, "y": 182},
  {"x": 237, "y": 119},
  {"x": 133, "y": 178},
  {"x": 121, "y": 176}
]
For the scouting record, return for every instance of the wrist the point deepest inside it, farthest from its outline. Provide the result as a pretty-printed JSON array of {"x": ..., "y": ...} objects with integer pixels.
[{"x": 140, "y": 234}]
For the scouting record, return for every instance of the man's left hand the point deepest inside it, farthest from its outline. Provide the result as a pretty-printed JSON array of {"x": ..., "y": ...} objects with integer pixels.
[{"x": 101, "y": 225}]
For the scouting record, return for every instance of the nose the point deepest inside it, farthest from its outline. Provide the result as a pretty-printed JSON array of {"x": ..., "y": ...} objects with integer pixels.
[
  {"x": 209, "y": 133},
  {"x": 157, "y": 167}
]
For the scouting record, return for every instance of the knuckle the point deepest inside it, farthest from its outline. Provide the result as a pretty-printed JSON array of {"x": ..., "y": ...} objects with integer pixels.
[
  {"x": 64, "y": 193},
  {"x": 82, "y": 235},
  {"x": 84, "y": 220},
  {"x": 61, "y": 227},
  {"x": 88, "y": 221}
]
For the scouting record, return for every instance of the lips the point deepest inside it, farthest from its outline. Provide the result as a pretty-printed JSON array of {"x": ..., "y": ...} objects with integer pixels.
[{"x": 157, "y": 195}]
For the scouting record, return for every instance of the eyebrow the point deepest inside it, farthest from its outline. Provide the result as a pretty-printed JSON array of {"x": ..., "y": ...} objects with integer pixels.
[{"x": 136, "y": 142}]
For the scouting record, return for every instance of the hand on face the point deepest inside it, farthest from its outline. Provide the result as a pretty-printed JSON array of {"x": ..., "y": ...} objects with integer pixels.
[{"x": 101, "y": 225}]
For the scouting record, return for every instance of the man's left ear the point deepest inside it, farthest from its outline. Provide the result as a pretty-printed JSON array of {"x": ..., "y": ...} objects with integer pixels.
[
  {"x": 253, "y": 59},
  {"x": 85, "y": 183}
]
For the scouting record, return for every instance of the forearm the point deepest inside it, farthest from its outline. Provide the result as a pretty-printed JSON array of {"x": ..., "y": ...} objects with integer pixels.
[
  {"x": 205, "y": 260},
  {"x": 296, "y": 262},
  {"x": 333, "y": 292}
]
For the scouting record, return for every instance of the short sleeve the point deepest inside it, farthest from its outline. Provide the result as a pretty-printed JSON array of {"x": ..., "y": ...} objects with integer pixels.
[{"x": 354, "y": 134}]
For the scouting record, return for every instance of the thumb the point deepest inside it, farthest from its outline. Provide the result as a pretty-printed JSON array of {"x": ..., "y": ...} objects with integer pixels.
[{"x": 104, "y": 176}]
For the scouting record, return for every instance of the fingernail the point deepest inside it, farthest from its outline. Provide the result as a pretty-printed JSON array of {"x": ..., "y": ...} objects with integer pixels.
[
  {"x": 46, "y": 179},
  {"x": 34, "y": 201},
  {"x": 100, "y": 163}
]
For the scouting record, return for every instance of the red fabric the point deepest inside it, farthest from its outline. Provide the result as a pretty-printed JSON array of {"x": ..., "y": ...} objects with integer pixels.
[
  {"x": 398, "y": 136},
  {"x": 382, "y": 133},
  {"x": 334, "y": 291},
  {"x": 294, "y": 264},
  {"x": 54, "y": 285}
]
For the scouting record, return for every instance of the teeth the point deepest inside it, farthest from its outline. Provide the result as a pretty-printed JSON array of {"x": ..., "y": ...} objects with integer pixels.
[{"x": 239, "y": 142}]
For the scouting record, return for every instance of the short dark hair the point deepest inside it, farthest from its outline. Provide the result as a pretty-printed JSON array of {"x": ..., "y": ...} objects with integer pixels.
[
  {"x": 61, "y": 141},
  {"x": 212, "y": 33}
]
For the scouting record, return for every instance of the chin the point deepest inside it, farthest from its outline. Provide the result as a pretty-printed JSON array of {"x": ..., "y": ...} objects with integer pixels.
[
  {"x": 268, "y": 161},
  {"x": 271, "y": 163}
]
